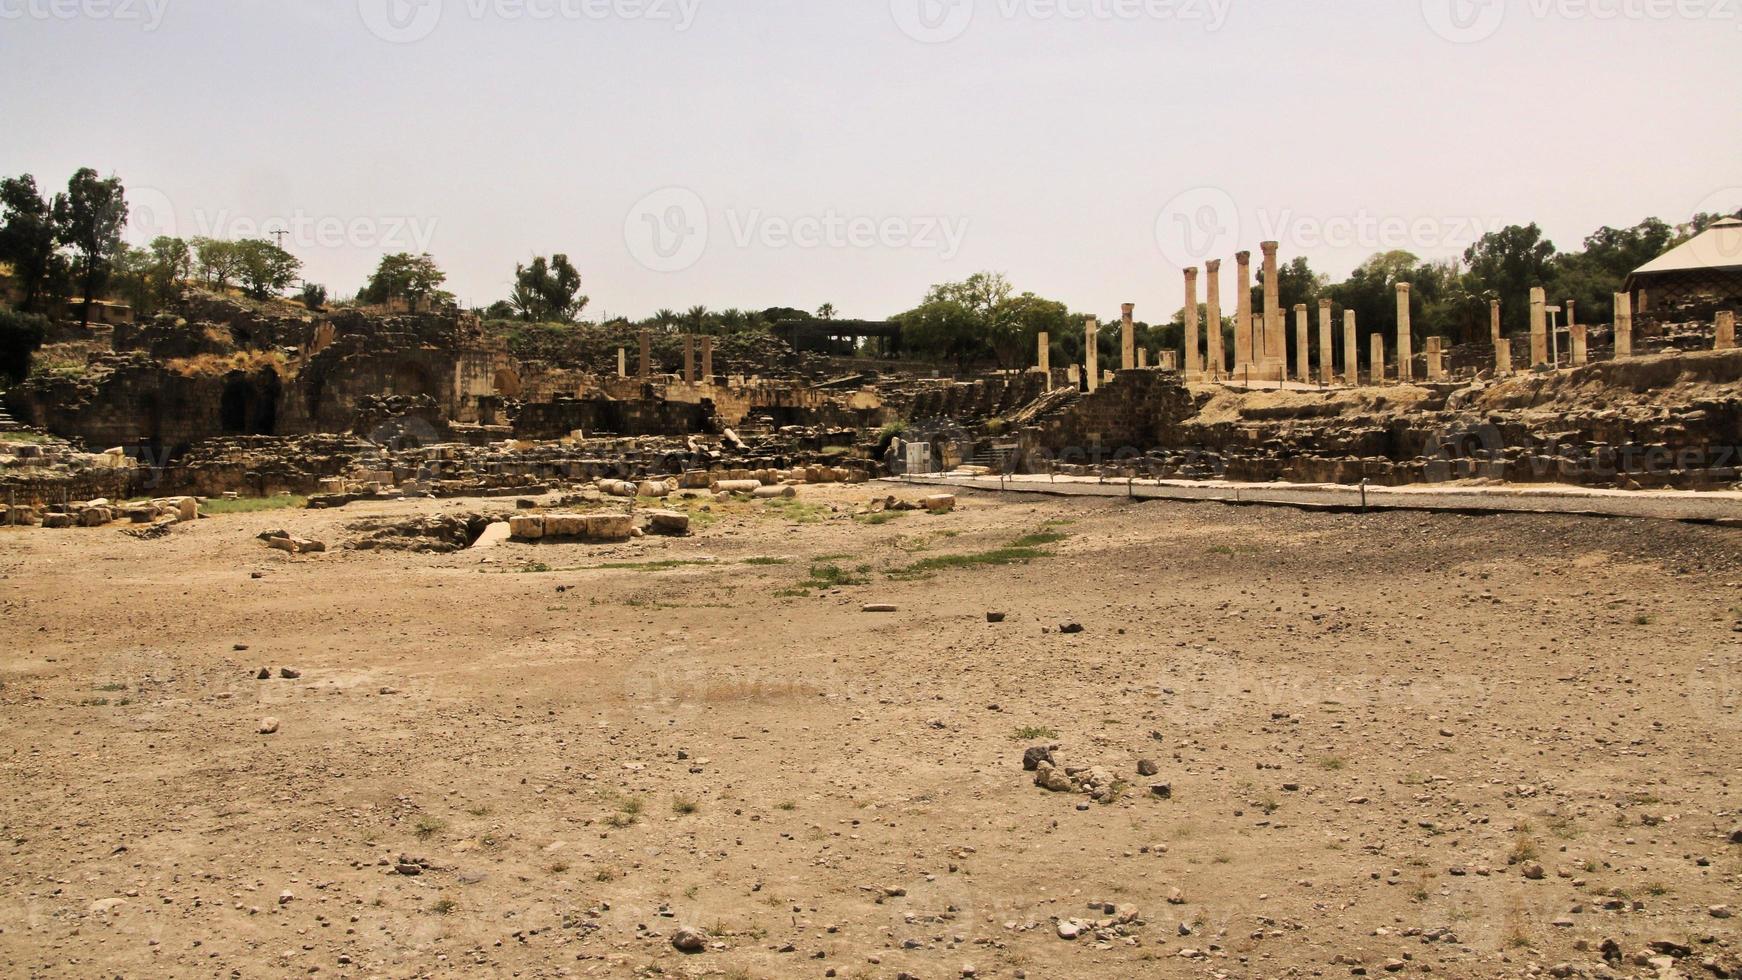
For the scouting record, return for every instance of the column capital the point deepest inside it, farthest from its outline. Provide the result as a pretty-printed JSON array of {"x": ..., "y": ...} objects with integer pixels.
[
  {"x": 1213, "y": 266},
  {"x": 1300, "y": 307},
  {"x": 1404, "y": 287},
  {"x": 1127, "y": 308},
  {"x": 1324, "y": 304},
  {"x": 1244, "y": 258},
  {"x": 1192, "y": 272},
  {"x": 1269, "y": 248}
]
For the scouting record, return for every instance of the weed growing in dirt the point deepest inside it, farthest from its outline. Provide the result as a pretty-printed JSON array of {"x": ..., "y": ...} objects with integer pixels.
[
  {"x": 1033, "y": 733},
  {"x": 218, "y": 506},
  {"x": 427, "y": 827}
]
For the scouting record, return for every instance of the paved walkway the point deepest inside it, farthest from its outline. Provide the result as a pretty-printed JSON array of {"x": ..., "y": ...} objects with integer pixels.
[{"x": 1676, "y": 505}]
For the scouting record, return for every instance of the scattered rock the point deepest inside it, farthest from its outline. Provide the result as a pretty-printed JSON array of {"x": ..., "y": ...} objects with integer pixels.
[
  {"x": 688, "y": 940},
  {"x": 268, "y": 726}
]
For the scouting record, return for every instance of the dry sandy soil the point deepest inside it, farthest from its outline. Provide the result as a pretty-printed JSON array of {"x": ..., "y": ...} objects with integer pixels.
[{"x": 1375, "y": 729}]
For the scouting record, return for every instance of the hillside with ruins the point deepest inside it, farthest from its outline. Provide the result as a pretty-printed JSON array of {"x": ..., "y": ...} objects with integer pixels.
[{"x": 897, "y": 491}]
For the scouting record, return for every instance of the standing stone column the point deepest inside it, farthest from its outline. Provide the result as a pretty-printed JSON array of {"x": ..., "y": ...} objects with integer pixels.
[
  {"x": 1127, "y": 338},
  {"x": 689, "y": 359},
  {"x": 1194, "y": 366},
  {"x": 1502, "y": 357},
  {"x": 646, "y": 356},
  {"x": 1436, "y": 358},
  {"x": 1302, "y": 368},
  {"x": 1092, "y": 353},
  {"x": 1377, "y": 374},
  {"x": 707, "y": 359},
  {"x": 1623, "y": 324},
  {"x": 1538, "y": 326},
  {"x": 1726, "y": 331},
  {"x": 1243, "y": 317},
  {"x": 1351, "y": 350},
  {"x": 1405, "y": 342},
  {"x": 622, "y": 363},
  {"x": 1044, "y": 357},
  {"x": 1494, "y": 320},
  {"x": 1327, "y": 370},
  {"x": 1274, "y": 354},
  {"x": 1578, "y": 335},
  {"x": 1143, "y": 358},
  {"x": 1217, "y": 361}
]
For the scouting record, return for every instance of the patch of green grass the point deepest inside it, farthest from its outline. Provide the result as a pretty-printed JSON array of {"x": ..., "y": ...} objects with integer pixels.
[
  {"x": 665, "y": 565},
  {"x": 218, "y": 506},
  {"x": 1039, "y": 540},
  {"x": 1332, "y": 762},
  {"x": 684, "y": 807},
  {"x": 1033, "y": 733},
  {"x": 831, "y": 577},
  {"x": 112, "y": 687},
  {"x": 795, "y": 510},
  {"x": 444, "y": 906},
  {"x": 427, "y": 827},
  {"x": 767, "y": 561},
  {"x": 981, "y": 559},
  {"x": 880, "y": 518},
  {"x": 535, "y": 568},
  {"x": 788, "y": 806}
]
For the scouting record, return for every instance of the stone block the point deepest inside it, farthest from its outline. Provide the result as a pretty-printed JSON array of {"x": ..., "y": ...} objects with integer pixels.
[
  {"x": 737, "y": 486},
  {"x": 527, "y": 527},
  {"x": 565, "y": 526},
  {"x": 771, "y": 493},
  {"x": 941, "y": 503},
  {"x": 671, "y": 522},
  {"x": 610, "y": 527}
]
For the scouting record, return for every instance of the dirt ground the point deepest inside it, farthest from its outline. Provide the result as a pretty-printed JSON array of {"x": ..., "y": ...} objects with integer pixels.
[{"x": 1425, "y": 744}]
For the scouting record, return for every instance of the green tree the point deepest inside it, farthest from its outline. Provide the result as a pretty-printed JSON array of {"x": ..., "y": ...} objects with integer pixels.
[
  {"x": 826, "y": 311},
  {"x": 547, "y": 291},
  {"x": 404, "y": 276},
  {"x": 313, "y": 296},
  {"x": 982, "y": 317},
  {"x": 217, "y": 262},
  {"x": 1508, "y": 263},
  {"x": 89, "y": 218},
  {"x": 170, "y": 263},
  {"x": 265, "y": 269},
  {"x": 28, "y": 241}
]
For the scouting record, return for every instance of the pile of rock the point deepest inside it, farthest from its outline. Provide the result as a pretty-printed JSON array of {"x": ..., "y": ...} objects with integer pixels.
[
  {"x": 282, "y": 540},
  {"x": 101, "y": 511},
  {"x": 439, "y": 534},
  {"x": 1096, "y": 782},
  {"x": 1113, "y": 922},
  {"x": 941, "y": 503}
]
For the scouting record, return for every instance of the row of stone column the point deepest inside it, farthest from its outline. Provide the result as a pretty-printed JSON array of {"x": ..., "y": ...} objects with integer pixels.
[{"x": 645, "y": 368}]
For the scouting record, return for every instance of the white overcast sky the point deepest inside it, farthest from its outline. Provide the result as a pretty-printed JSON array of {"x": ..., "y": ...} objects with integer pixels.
[{"x": 688, "y": 152}]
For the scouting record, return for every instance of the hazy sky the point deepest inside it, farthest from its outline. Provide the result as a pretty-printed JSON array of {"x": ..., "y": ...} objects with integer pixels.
[{"x": 753, "y": 153}]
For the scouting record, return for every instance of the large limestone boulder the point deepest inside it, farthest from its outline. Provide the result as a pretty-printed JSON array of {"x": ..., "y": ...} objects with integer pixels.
[
  {"x": 529, "y": 527},
  {"x": 610, "y": 527}
]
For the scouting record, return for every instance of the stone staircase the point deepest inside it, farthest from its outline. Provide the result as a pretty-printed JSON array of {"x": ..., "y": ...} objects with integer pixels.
[{"x": 7, "y": 424}]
